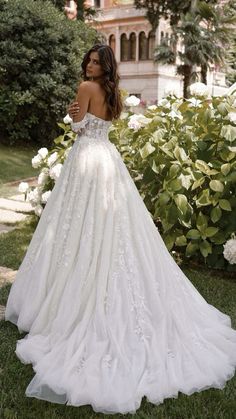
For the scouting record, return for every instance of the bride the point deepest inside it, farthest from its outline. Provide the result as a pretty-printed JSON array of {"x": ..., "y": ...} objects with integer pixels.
[{"x": 110, "y": 316}]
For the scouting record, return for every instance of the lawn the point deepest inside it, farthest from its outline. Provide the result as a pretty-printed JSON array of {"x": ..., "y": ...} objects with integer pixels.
[
  {"x": 15, "y": 164},
  {"x": 218, "y": 289}
]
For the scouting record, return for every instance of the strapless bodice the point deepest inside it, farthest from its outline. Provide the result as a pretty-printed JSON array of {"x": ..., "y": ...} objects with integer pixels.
[{"x": 92, "y": 126}]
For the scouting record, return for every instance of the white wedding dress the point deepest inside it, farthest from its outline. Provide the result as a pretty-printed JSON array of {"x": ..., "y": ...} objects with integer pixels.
[{"x": 110, "y": 315}]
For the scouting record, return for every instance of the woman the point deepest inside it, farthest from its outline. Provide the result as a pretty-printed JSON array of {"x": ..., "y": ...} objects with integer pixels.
[{"x": 110, "y": 316}]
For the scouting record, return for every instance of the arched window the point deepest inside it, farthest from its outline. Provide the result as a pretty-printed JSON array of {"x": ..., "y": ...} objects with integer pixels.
[
  {"x": 132, "y": 46},
  {"x": 112, "y": 42},
  {"x": 124, "y": 47},
  {"x": 151, "y": 44},
  {"x": 143, "y": 46}
]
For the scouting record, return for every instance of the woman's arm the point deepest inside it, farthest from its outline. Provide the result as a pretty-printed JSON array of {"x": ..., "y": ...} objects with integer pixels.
[{"x": 79, "y": 108}]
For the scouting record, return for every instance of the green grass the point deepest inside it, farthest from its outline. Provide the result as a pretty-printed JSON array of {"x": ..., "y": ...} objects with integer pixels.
[
  {"x": 15, "y": 164},
  {"x": 14, "y": 376}
]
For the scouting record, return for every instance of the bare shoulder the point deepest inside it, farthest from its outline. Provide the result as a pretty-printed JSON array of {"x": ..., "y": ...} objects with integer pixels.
[{"x": 87, "y": 86}]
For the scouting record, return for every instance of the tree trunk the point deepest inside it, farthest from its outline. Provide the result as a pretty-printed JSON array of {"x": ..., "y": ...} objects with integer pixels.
[
  {"x": 204, "y": 73},
  {"x": 187, "y": 80}
]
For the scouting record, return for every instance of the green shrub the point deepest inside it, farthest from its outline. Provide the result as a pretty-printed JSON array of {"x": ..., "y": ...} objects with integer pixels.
[
  {"x": 40, "y": 57},
  {"x": 183, "y": 161}
]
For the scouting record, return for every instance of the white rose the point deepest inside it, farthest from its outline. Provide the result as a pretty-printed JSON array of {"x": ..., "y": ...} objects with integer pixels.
[
  {"x": 232, "y": 117},
  {"x": 230, "y": 250},
  {"x": 55, "y": 171},
  {"x": 42, "y": 178},
  {"x": 67, "y": 119},
  {"x": 132, "y": 101},
  {"x": 36, "y": 161},
  {"x": 43, "y": 152},
  {"x": 52, "y": 158},
  {"x": 199, "y": 89},
  {"x": 38, "y": 210},
  {"x": 45, "y": 196},
  {"x": 23, "y": 187}
]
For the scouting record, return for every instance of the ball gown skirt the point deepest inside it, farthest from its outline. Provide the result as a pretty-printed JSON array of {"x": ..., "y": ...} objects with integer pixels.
[{"x": 109, "y": 314}]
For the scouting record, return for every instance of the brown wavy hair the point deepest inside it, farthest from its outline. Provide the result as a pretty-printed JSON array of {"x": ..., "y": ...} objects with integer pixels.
[{"x": 110, "y": 79}]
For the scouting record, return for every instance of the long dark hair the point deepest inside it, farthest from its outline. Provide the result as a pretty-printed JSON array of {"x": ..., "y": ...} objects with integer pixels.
[{"x": 110, "y": 79}]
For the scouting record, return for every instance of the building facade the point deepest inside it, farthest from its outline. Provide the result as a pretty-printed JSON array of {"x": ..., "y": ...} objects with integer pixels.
[{"x": 130, "y": 35}]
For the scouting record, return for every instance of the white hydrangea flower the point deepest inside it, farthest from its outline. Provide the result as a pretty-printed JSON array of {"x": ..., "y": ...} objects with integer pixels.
[
  {"x": 199, "y": 89},
  {"x": 232, "y": 117},
  {"x": 132, "y": 101},
  {"x": 23, "y": 187},
  {"x": 194, "y": 102},
  {"x": 67, "y": 119},
  {"x": 124, "y": 115},
  {"x": 36, "y": 161},
  {"x": 38, "y": 210},
  {"x": 45, "y": 196},
  {"x": 137, "y": 121},
  {"x": 164, "y": 102},
  {"x": 43, "y": 152},
  {"x": 230, "y": 250},
  {"x": 175, "y": 114},
  {"x": 55, "y": 171},
  {"x": 42, "y": 178},
  {"x": 152, "y": 107},
  {"x": 170, "y": 90},
  {"x": 34, "y": 196},
  {"x": 52, "y": 158}
]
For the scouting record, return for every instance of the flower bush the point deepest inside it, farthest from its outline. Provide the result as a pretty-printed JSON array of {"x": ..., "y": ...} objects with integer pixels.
[{"x": 182, "y": 157}]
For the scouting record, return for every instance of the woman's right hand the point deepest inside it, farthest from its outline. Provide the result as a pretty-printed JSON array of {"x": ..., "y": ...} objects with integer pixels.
[{"x": 73, "y": 110}]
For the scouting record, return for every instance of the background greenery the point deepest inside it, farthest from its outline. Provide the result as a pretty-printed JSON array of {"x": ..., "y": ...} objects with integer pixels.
[{"x": 40, "y": 56}]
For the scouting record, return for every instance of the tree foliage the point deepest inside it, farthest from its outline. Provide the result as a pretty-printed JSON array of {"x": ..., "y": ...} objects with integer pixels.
[
  {"x": 40, "y": 56},
  {"x": 168, "y": 9}
]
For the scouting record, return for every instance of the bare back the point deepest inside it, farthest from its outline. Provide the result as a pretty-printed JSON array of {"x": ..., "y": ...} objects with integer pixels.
[{"x": 97, "y": 104}]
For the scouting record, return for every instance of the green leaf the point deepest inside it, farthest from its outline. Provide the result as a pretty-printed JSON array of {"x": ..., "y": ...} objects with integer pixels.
[
  {"x": 193, "y": 234},
  {"x": 175, "y": 185},
  {"x": 216, "y": 214},
  {"x": 191, "y": 249},
  {"x": 174, "y": 170},
  {"x": 169, "y": 240},
  {"x": 225, "y": 204},
  {"x": 180, "y": 154},
  {"x": 225, "y": 168},
  {"x": 228, "y": 132},
  {"x": 202, "y": 222},
  {"x": 204, "y": 198},
  {"x": 202, "y": 166},
  {"x": 198, "y": 183},
  {"x": 146, "y": 150},
  {"x": 216, "y": 185},
  {"x": 163, "y": 198},
  {"x": 205, "y": 248},
  {"x": 211, "y": 231},
  {"x": 181, "y": 241},
  {"x": 182, "y": 203},
  {"x": 155, "y": 167}
]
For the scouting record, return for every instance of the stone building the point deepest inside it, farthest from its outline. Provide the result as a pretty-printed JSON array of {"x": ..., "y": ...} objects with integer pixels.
[{"x": 130, "y": 35}]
